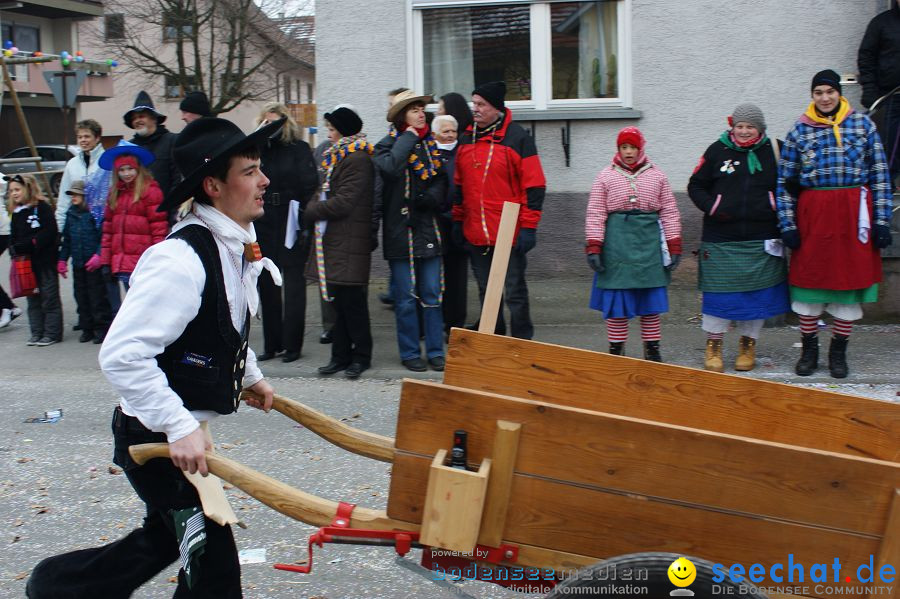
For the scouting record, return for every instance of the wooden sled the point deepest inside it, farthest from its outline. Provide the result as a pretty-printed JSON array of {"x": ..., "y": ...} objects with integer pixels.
[{"x": 577, "y": 456}]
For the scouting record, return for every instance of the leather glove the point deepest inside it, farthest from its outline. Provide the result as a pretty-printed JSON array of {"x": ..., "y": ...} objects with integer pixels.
[
  {"x": 456, "y": 235},
  {"x": 527, "y": 240},
  {"x": 62, "y": 268},
  {"x": 106, "y": 271},
  {"x": 882, "y": 237},
  {"x": 92, "y": 264},
  {"x": 595, "y": 261},
  {"x": 869, "y": 95},
  {"x": 676, "y": 260},
  {"x": 791, "y": 238}
]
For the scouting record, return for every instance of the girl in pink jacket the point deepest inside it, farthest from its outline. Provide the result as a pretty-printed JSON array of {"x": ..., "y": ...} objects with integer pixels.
[{"x": 633, "y": 233}]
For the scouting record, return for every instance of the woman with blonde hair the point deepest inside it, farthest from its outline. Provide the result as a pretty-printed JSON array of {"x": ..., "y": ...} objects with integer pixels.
[
  {"x": 287, "y": 161},
  {"x": 33, "y": 233},
  {"x": 131, "y": 222}
]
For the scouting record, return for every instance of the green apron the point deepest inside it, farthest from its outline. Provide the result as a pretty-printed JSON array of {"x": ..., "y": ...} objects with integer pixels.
[
  {"x": 737, "y": 266},
  {"x": 631, "y": 252}
]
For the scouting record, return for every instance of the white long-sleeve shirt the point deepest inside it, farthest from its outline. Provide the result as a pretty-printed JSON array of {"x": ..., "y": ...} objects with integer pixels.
[{"x": 165, "y": 295}]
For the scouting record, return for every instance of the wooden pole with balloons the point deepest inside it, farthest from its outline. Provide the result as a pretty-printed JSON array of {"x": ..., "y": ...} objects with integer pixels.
[{"x": 12, "y": 56}]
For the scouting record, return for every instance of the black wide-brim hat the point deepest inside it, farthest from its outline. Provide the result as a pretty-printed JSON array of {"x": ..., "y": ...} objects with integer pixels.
[
  {"x": 143, "y": 103},
  {"x": 204, "y": 147}
]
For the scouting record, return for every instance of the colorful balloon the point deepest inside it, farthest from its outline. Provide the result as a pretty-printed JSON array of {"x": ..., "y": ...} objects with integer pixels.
[
  {"x": 64, "y": 54},
  {"x": 7, "y": 53},
  {"x": 79, "y": 59},
  {"x": 7, "y": 44},
  {"x": 78, "y": 53},
  {"x": 115, "y": 63},
  {"x": 66, "y": 62},
  {"x": 37, "y": 53}
]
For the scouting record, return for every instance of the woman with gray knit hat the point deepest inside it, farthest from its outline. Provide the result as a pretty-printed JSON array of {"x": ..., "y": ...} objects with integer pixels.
[{"x": 742, "y": 271}]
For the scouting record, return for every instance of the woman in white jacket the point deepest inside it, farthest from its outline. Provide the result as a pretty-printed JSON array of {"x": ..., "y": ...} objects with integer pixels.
[
  {"x": 8, "y": 310},
  {"x": 85, "y": 163}
]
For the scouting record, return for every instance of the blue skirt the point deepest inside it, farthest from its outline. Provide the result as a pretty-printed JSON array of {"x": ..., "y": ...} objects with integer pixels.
[
  {"x": 748, "y": 305},
  {"x": 628, "y": 303}
]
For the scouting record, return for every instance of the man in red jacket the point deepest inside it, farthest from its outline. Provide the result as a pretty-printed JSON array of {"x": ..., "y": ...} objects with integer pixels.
[{"x": 497, "y": 162}]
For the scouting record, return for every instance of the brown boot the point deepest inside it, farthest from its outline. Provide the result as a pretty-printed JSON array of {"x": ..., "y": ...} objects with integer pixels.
[
  {"x": 714, "y": 355},
  {"x": 746, "y": 359}
]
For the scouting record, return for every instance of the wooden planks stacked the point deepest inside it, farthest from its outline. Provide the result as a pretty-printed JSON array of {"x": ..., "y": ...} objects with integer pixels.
[{"x": 622, "y": 456}]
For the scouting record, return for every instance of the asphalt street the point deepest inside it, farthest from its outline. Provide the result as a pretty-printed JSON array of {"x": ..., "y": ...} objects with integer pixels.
[{"x": 59, "y": 490}]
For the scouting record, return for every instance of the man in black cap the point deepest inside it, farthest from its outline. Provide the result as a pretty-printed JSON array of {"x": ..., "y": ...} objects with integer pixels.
[
  {"x": 151, "y": 133},
  {"x": 194, "y": 106},
  {"x": 497, "y": 162},
  {"x": 176, "y": 364}
]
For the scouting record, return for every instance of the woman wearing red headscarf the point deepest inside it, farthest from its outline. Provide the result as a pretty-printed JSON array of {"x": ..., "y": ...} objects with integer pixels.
[{"x": 633, "y": 232}]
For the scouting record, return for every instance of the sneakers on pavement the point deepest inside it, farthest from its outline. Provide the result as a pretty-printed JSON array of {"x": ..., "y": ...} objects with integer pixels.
[
  {"x": 45, "y": 341},
  {"x": 5, "y": 317},
  {"x": 34, "y": 340}
]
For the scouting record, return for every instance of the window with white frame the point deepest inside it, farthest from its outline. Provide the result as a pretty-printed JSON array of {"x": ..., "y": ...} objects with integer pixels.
[{"x": 551, "y": 54}]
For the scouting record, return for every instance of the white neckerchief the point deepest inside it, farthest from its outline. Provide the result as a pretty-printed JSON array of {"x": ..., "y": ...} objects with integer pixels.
[
  {"x": 448, "y": 147},
  {"x": 233, "y": 236}
]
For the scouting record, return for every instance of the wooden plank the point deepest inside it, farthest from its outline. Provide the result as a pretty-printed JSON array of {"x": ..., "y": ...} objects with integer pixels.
[
  {"x": 628, "y": 455},
  {"x": 454, "y": 503},
  {"x": 490, "y": 309},
  {"x": 674, "y": 394},
  {"x": 599, "y": 525},
  {"x": 889, "y": 552},
  {"x": 503, "y": 461}
]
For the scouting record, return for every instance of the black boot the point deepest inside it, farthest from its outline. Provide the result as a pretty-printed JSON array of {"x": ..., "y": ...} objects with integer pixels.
[
  {"x": 617, "y": 348},
  {"x": 809, "y": 359},
  {"x": 837, "y": 356},
  {"x": 651, "y": 351}
]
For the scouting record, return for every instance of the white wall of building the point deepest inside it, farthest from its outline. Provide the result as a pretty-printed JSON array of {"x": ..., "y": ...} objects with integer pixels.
[{"x": 692, "y": 62}]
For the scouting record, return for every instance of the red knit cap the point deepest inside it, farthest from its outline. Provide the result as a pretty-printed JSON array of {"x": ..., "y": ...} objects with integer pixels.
[
  {"x": 631, "y": 135},
  {"x": 125, "y": 160}
]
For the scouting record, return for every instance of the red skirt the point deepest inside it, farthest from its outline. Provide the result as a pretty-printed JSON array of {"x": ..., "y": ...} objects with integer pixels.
[{"x": 831, "y": 255}]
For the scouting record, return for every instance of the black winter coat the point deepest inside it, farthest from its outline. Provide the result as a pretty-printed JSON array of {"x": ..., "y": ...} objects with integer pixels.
[
  {"x": 418, "y": 212},
  {"x": 80, "y": 237},
  {"x": 292, "y": 176},
  {"x": 879, "y": 56},
  {"x": 737, "y": 206},
  {"x": 347, "y": 242},
  {"x": 162, "y": 143},
  {"x": 33, "y": 233}
]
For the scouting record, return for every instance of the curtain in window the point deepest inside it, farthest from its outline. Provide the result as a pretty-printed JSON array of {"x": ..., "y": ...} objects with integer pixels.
[
  {"x": 597, "y": 61},
  {"x": 447, "y": 40}
]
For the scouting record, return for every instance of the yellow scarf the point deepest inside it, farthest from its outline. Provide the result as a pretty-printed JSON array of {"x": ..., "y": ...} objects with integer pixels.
[{"x": 834, "y": 121}]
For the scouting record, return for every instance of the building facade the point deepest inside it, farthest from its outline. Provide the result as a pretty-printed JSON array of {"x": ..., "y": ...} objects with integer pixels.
[
  {"x": 49, "y": 27},
  {"x": 288, "y": 76}
]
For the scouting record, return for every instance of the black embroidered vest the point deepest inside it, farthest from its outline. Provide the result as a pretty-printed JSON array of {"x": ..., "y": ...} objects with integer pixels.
[{"x": 205, "y": 365}]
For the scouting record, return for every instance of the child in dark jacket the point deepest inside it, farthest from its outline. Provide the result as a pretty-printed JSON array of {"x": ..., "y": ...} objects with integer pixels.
[
  {"x": 33, "y": 234},
  {"x": 81, "y": 241}
]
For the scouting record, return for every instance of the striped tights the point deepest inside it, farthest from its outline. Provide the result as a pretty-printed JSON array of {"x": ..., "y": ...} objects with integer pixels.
[
  {"x": 617, "y": 329},
  {"x": 810, "y": 325}
]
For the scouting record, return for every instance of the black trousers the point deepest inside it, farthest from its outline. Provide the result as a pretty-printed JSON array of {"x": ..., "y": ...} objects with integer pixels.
[
  {"x": 284, "y": 321},
  {"x": 92, "y": 300},
  {"x": 45, "y": 308},
  {"x": 515, "y": 290},
  {"x": 456, "y": 282},
  {"x": 352, "y": 332},
  {"x": 116, "y": 570}
]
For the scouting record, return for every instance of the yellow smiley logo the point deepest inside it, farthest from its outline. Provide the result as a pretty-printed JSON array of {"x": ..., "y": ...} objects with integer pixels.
[{"x": 682, "y": 572}]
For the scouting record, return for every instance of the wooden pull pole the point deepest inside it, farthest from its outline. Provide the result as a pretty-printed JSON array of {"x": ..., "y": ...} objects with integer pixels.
[{"x": 490, "y": 310}]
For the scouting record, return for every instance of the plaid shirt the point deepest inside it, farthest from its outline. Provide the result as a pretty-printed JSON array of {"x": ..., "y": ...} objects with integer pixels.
[{"x": 812, "y": 156}]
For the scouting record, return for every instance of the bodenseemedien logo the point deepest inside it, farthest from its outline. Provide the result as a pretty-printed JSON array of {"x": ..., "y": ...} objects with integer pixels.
[{"x": 682, "y": 574}]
